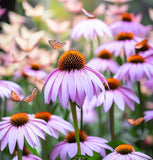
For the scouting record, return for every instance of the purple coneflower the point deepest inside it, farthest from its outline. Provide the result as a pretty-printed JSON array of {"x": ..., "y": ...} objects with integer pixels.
[
  {"x": 7, "y": 86},
  {"x": 126, "y": 152},
  {"x": 126, "y": 24},
  {"x": 120, "y": 95},
  {"x": 90, "y": 27},
  {"x": 148, "y": 115},
  {"x": 88, "y": 145},
  {"x": 72, "y": 80},
  {"x": 104, "y": 62},
  {"x": 55, "y": 123},
  {"x": 19, "y": 126},
  {"x": 135, "y": 68},
  {"x": 27, "y": 155},
  {"x": 124, "y": 41}
]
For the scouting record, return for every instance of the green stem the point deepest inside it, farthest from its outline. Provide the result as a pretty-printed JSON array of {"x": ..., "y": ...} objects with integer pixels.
[
  {"x": 44, "y": 149},
  {"x": 91, "y": 50},
  {"x": 75, "y": 122},
  {"x": 81, "y": 120},
  {"x": 5, "y": 107},
  {"x": 98, "y": 39},
  {"x": 111, "y": 119},
  {"x": 19, "y": 154}
]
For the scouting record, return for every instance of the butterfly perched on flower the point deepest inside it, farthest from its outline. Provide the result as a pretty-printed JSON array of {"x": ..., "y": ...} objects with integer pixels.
[
  {"x": 15, "y": 97},
  {"x": 56, "y": 44}
]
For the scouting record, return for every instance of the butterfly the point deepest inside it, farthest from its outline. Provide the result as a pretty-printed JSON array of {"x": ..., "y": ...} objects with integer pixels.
[
  {"x": 135, "y": 122},
  {"x": 141, "y": 44},
  {"x": 15, "y": 97},
  {"x": 56, "y": 44}
]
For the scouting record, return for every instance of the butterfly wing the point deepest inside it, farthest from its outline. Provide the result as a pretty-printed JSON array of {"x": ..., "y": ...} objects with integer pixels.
[
  {"x": 136, "y": 122},
  {"x": 56, "y": 44},
  {"x": 31, "y": 97},
  {"x": 15, "y": 97},
  {"x": 141, "y": 44}
]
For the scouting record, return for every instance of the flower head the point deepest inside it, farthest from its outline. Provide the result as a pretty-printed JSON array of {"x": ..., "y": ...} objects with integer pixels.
[
  {"x": 55, "y": 123},
  {"x": 90, "y": 27},
  {"x": 88, "y": 145},
  {"x": 135, "y": 68},
  {"x": 126, "y": 151},
  {"x": 7, "y": 86},
  {"x": 148, "y": 115},
  {"x": 104, "y": 62},
  {"x": 117, "y": 94},
  {"x": 126, "y": 24},
  {"x": 27, "y": 155},
  {"x": 19, "y": 126},
  {"x": 72, "y": 80},
  {"x": 124, "y": 41}
]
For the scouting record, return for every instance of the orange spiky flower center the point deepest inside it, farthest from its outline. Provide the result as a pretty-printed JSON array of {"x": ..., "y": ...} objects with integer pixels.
[
  {"x": 126, "y": 17},
  {"x": 105, "y": 54},
  {"x": 124, "y": 36},
  {"x": 71, "y": 60},
  {"x": 19, "y": 119},
  {"x": 70, "y": 137},
  {"x": 136, "y": 59},
  {"x": 43, "y": 115},
  {"x": 124, "y": 149},
  {"x": 35, "y": 66},
  {"x": 112, "y": 83}
]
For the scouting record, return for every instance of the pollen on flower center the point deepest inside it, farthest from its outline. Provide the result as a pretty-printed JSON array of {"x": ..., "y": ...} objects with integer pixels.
[
  {"x": 124, "y": 148},
  {"x": 105, "y": 54},
  {"x": 136, "y": 59},
  {"x": 112, "y": 83},
  {"x": 71, "y": 60},
  {"x": 126, "y": 17},
  {"x": 19, "y": 119},
  {"x": 35, "y": 66},
  {"x": 43, "y": 115},
  {"x": 124, "y": 36},
  {"x": 70, "y": 137}
]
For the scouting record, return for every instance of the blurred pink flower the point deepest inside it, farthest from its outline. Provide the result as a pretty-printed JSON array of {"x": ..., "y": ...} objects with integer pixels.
[
  {"x": 72, "y": 80},
  {"x": 118, "y": 1},
  {"x": 90, "y": 27},
  {"x": 27, "y": 155},
  {"x": 7, "y": 86},
  {"x": 55, "y": 123},
  {"x": 126, "y": 24},
  {"x": 148, "y": 115},
  {"x": 88, "y": 145},
  {"x": 104, "y": 62},
  {"x": 135, "y": 68},
  {"x": 124, "y": 41},
  {"x": 19, "y": 126},
  {"x": 2, "y": 11},
  {"x": 126, "y": 152}
]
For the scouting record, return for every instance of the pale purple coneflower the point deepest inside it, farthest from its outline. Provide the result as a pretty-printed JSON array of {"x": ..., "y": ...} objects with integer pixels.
[
  {"x": 90, "y": 27},
  {"x": 126, "y": 24},
  {"x": 135, "y": 69},
  {"x": 124, "y": 41},
  {"x": 126, "y": 152},
  {"x": 104, "y": 62},
  {"x": 55, "y": 123},
  {"x": 88, "y": 144},
  {"x": 148, "y": 115},
  {"x": 7, "y": 86},
  {"x": 117, "y": 94},
  {"x": 27, "y": 155},
  {"x": 20, "y": 127},
  {"x": 72, "y": 80}
]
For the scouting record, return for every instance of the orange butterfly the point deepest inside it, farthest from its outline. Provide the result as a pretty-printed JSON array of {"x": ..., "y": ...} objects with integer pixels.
[
  {"x": 135, "y": 122},
  {"x": 15, "y": 97},
  {"x": 141, "y": 44},
  {"x": 56, "y": 44}
]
